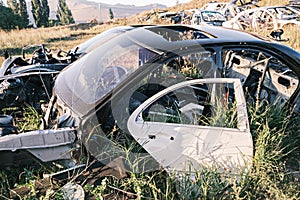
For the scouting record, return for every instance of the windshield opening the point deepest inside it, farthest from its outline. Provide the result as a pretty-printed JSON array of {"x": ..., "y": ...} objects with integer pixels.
[
  {"x": 209, "y": 16},
  {"x": 99, "y": 72}
]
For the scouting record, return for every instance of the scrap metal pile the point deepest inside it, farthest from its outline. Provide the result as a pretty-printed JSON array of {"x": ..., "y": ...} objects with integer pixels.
[
  {"x": 239, "y": 15},
  {"x": 29, "y": 81}
]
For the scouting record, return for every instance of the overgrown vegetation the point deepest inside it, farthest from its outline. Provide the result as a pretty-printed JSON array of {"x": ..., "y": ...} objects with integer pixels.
[{"x": 273, "y": 175}]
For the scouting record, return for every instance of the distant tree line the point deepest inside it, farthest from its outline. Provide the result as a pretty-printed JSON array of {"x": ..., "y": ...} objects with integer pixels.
[
  {"x": 14, "y": 15},
  {"x": 64, "y": 14},
  {"x": 111, "y": 14}
]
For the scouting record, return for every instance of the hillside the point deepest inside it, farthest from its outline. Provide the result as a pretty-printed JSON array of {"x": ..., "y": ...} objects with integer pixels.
[{"x": 84, "y": 11}]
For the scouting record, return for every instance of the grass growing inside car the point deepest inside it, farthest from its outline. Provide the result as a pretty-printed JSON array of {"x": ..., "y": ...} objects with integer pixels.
[
  {"x": 25, "y": 118},
  {"x": 274, "y": 174}
]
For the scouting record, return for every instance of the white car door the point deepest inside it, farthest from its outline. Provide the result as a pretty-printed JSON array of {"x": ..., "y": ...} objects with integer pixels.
[{"x": 182, "y": 136}]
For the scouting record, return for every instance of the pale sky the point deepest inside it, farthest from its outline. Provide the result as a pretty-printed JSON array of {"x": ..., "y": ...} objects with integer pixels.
[{"x": 168, "y": 3}]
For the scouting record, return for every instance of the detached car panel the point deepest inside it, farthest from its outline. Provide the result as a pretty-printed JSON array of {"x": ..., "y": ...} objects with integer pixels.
[{"x": 209, "y": 129}]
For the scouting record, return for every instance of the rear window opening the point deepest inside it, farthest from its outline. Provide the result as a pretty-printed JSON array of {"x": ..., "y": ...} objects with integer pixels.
[{"x": 175, "y": 33}]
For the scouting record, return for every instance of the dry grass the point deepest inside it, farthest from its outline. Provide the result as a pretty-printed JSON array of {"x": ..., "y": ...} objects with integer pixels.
[
  {"x": 273, "y": 2},
  {"x": 55, "y": 38},
  {"x": 293, "y": 34},
  {"x": 192, "y": 4}
]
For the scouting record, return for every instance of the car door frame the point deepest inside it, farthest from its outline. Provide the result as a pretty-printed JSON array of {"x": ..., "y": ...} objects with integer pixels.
[{"x": 238, "y": 155}]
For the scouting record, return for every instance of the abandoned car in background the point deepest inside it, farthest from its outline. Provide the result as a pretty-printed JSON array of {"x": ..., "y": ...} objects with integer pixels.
[
  {"x": 204, "y": 17},
  {"x": 171, "y": 97},
  {"x": 229, "y": 10},
  {"x": 30, "y": 80},
  {"x": 265, "y": 18}
]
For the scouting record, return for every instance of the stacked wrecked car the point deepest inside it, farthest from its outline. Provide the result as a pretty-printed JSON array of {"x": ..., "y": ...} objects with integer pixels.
[
  {"x": 240, "y": 15},
  {"x": 265, "y": 18}
]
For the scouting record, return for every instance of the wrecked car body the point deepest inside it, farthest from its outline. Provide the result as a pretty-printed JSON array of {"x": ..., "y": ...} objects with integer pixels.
[
  {"x": 171, "y": 17},
  {"x": 294, "y": 4},
  {"x": 204, "y": 17},
  {"x": 30, "y": 80},
  {"x": 229, "y": 10},
  {"x": 270, "y": 18},
  {"x": 153, "y": 97}
]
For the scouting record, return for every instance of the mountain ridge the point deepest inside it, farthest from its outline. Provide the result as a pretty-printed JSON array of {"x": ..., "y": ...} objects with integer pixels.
[{"x": 85, "y": 11}]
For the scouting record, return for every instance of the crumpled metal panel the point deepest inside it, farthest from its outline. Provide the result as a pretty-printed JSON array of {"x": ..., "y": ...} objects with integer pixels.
[{"x": 37, "y": 139}]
